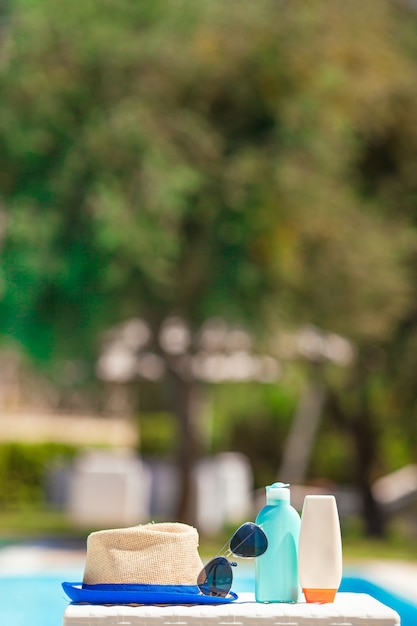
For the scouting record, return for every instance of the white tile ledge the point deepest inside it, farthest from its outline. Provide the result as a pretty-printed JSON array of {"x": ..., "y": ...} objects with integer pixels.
[{"x": 349, "y": 609}]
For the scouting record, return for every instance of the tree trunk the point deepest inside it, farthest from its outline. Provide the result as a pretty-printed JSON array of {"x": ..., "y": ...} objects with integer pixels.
[
  {"x": 365, "y": 438},
  {"x": 358, "y": 424},
  {"x": 300, "y": 442},
  {"x": 184, "y": 398}
]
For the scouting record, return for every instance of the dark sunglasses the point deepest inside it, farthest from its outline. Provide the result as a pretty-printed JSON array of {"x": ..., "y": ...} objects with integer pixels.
[{"x": 248, "y": 541}]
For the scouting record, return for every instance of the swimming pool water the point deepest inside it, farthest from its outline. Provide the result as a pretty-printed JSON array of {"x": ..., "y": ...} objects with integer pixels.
[
  {"x": 406, "y": 609},
  {"x": 39, "y": 600},
  {"x": 33, "y": 600}
]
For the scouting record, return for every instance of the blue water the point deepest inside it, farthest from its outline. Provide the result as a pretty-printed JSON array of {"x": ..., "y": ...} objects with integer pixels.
[
  {"x": 39, "y": 600},
  {"x": 33, "y": 600},
  {"x": 406, "y": 609}
]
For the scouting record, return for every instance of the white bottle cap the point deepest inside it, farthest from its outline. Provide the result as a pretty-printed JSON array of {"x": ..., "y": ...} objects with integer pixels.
[{"x": 277, "y": 491}]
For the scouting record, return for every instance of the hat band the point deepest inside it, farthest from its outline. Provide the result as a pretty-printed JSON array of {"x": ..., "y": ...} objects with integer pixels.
[{"x": 187, "y": 589}]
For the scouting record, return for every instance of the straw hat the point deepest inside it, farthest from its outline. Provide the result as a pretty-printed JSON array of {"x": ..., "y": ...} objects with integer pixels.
[
  {"x": 147, "y": 564},
  {"x": 152, "y": 554}
]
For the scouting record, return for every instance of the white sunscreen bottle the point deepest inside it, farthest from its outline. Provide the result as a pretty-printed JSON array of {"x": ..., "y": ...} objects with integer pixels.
[{"x": 320, "y": 549}]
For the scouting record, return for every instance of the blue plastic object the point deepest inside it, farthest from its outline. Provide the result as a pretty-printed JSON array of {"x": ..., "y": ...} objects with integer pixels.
[
  {"x": 141, "y": 594},
  {"x": 276, "y": 571}
]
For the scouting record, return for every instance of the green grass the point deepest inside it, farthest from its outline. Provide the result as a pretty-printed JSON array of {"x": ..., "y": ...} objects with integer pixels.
[
  {"x": 32, "y": 523},
  {"x": 392, "y": 548},
  {"x": 397, "y": 544}
]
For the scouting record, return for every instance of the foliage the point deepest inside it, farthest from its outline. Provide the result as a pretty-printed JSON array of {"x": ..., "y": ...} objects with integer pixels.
[
  {"x": 253, "y": 419},
  {"x": 23, "y": 471},
  {"x": 134, "y": 186},
  {"x": 157, "y": 434},
  {"x": 254, "y": 162}
]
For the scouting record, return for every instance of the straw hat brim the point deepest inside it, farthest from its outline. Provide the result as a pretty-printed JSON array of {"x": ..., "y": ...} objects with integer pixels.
[{"x": 143, "y": 594}]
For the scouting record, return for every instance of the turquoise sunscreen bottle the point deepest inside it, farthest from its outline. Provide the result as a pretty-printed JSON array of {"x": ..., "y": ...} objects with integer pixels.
[{"x": 276, "y": 571}]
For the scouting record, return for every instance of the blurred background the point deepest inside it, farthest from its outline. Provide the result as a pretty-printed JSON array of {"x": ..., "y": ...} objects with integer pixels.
[{"x": 208, "y": 262}]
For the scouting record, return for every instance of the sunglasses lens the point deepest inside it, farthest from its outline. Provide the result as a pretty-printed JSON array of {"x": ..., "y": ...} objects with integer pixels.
[
  {"x": 216, "y": 578},
  {"x": 248, "y": 541}
]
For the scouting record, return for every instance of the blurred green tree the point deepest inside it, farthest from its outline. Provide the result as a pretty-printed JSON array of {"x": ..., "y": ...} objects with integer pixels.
[{"x": 252, "y": 162}]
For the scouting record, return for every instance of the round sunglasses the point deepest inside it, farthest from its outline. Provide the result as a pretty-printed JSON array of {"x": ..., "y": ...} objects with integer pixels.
[{"x": 248, "y": 541}]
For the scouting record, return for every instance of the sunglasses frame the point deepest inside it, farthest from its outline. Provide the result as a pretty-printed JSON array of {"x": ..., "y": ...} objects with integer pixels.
[{"x": 220, "y": 567}]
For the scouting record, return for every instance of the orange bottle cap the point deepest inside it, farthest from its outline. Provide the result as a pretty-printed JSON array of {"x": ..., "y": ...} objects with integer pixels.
[{"x": 320, "y": 596}]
